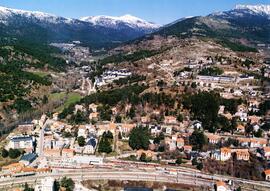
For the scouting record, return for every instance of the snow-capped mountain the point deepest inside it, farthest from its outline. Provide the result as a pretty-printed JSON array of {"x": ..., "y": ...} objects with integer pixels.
[
  {"x": 7, "y": 14},
  {"x": 120, "y": 22},
  {"x": 250, "y": 22},
  {"x": 246, "y": 11},
  {"x": 94, "y": 31},
  {"x": 258, "y": 9}
]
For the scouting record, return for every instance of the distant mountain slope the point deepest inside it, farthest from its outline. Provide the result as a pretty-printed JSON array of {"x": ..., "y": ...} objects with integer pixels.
[
  {"x": 43, "y": 27},
  {"x": 250, "y": 22},
  {"x": 125, "y": 21}
]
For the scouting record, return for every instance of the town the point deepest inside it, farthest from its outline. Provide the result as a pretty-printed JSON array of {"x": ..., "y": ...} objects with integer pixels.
[{"x": 119, "y": 103}]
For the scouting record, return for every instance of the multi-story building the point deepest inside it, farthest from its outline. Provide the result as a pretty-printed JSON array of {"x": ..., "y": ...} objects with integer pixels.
[
  {"x": 21, "y": 142},
  {"x": 47, "y": 184}
]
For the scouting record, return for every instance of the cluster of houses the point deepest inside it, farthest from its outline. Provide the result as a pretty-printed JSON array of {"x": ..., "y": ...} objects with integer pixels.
[
  {"x": 111, "y": 75},
  {"x": 74, "y": 52},
  {"x": 51, "y": 143}
]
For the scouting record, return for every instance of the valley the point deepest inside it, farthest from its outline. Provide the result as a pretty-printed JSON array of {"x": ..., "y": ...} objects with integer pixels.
[{"x": 103, "y": 93}]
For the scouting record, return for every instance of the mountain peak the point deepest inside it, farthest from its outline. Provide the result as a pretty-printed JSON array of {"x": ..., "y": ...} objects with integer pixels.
[
  {"x": 6, "y": 13},
  {"x": 129, "y": 17},
  {"x": 114, "y": 22},
  {"x": 258, "y": 9},
  {"x": 9, "y": 11}
]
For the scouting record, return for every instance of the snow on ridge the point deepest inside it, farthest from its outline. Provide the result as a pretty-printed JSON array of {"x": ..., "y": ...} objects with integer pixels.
[
  {"x": 112, "y": 21},
  {"x": 106, "y": 21},
  {"x": 9, "y": 12},
  {"x": 259, "y": 9}
]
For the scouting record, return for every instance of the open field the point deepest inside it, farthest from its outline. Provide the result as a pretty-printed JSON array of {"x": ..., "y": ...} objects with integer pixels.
[{"x": 68, "y": 99}]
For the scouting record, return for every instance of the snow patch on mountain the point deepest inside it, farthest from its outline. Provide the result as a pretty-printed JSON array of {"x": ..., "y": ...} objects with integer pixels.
[
  {"x": 6, "y": 13},
  {"x": 258, "y": 9},
  {"x": 115, "y": 22}
]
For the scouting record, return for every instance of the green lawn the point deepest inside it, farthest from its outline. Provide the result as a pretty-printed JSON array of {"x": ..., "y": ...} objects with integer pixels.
[
  {"x": 41, "y": 74},
  {"x": 71, "y": 98}
]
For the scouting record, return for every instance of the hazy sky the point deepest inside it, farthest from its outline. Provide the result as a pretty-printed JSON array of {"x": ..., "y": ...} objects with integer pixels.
[{"x": 159, "y": 11}]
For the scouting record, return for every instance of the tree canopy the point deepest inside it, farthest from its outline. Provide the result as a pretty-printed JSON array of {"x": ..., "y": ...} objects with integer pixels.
[
  {"x": 67, "y": 183},
  {"x": 204, "y": 106},
  {"x": 197, "y": 140},
  {"x": 139, "y": 138}
]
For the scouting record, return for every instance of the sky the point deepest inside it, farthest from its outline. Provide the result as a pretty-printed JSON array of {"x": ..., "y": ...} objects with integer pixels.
[{"x": 158, "y": 11}]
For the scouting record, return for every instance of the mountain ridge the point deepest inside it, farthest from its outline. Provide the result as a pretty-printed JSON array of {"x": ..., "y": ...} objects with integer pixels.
[
  {"x": 48, "y": 28},
  {"x": 111, "y": 21}
]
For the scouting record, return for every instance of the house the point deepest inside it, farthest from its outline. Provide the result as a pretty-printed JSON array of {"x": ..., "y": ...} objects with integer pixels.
[
  {"x": 267, "y": 174},
  {"x": 258, "y": 142},
  {"x": 55, "y": 116},
  {"x": 223, "y": 154},
  {"x": 59, "y": 144},
  {"x": 47, "y": 184},
  {"x": 213, "y": 139},
  {"x": 241, "y": 113},
  {"x": 101, "y": 128},
  {"x": 82, "y": 131},
  {"x": 114, "y": 110},
  {"x": 90, "y": 146},
  {"x": 221, "y": 109},
  {"x": 253, "y": 105},
  {"x": 14, "y": 167},
  {"x": 167, "y": 140},
  {"x": 170, "y": 120},
  {"x": 156, "y": 112},
  {"x": 187, "y": 148},
  {"x": 58, "y": 126},
  {"x": 242, "y": 154},
  {"x": 145, "y": 119},
  {"x": 126, "y": 128},
  {"x": 21, "y": 142},
  {"x": 127, "y": 108},
  {"x": 180, "y": 142},
  {"x": 242, "y": 116},
  {"x": 68, "y": 153},
  {"x": 79, "y": 108},
  {"x": 168, "y": 130},
  {"x": 240, "y": 128},
  {"x": 256, "y": 127},
  {"x": 228, "y": 116},
  {"x": 196, "y": 125},
  {"x": 221, "y": 186},
  {"x": 155, "y": 129},
  {"x": 87, "y": 159},
  {"x": 93, "y": 116},
  {"x": 26, "y": 128},
  {"x": 93, "y": 107},
  {"x": 174, "y": 137},
  {"x": 172, "y": 146},
  {"x": 48, "y": 141},
  {"x": 254, "y": 119},
  {"x": 241, "y": 108},
  {"x": 253, "y": 142},
  {"x": 50, "y": 153},
  {"x": 266, "y": 152}
]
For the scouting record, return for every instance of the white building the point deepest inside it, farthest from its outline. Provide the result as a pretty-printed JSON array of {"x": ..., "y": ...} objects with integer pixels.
[
  {"x": 47, "y": 184},
  {"x": 21, "y": 142},
  {"x": 82, "y": 131},
  {"x": 88, "y": 160},
  {"x": 223, "y": 154}
]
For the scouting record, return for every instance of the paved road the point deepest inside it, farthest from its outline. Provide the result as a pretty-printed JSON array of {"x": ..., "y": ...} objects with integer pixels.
[{"x": 41, "y": 139}]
